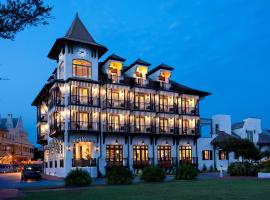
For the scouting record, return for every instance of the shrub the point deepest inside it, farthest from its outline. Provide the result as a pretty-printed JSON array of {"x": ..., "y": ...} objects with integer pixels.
[
  {"x": 211, "y": 169},
  {"x": 186, "y": 172},
  {"x": 153, "y": 174},
  {"x": 119, "y": 176},
  {"x": 243, "y": 169},
  {"x": 78, "y": 177}
]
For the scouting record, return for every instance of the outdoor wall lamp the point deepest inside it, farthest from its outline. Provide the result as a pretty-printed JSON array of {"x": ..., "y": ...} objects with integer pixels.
[
  {"x": 69, "y": 148},
  {"x": 116, "y": 141},
  {"x": 97, "y": 148}
]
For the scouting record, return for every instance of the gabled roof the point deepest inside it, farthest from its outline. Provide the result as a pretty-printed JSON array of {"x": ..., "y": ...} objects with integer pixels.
[
  {"x": 114, "y": 57},
  {"x": 79, "y": 34},
  {"x": 161, "y": 66},
  {"x": 221, "y": 137},
  {"x": 238, "y": 125}
]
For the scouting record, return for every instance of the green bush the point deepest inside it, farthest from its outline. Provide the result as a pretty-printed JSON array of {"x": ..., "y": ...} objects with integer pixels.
[
  {"x": 153, "y": 174},
  {"x": 119, "y": 176},
  {"x": 243, "y": 169},
  {"x": 78, "y": 177},
  {"x": 186, "y": 172}
]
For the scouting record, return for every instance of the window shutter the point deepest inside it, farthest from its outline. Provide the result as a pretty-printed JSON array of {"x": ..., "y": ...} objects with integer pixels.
[
  {"x": 211, "y": 156},
  {"x": 203, "y": 155}
]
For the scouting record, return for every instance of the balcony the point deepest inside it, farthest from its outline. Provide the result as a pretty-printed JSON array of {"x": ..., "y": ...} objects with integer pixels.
[
  {"x": 84, "y": 100},
  {"x": 141, "y": 82},
  {"x": 189, "y": 160},
  {"x": 165, "y": 108},
  {"x": 57, "y": 128},
  {"x": 142, "y": 163},
  {"x": 84, "y": 126},
  {"x": 143, "y": 129},
  {"x": 167, "y": 163},
  {"x": 113, "y": 78},
  {"x": 142, "y": 106},
  {"x": 164, "y": 85},
  {"x": 116, "y": 128},
  {"x": 112, "y": 162},
  {"x": 57, "y": 102},
  {"x": 189, "y": 111},
  {"x": 188, "y": 131},
  {"x": 84, "y": 162},
  {"x": 116, "y": 103},
  {"x": 42, "y": 117},
  {"x": 166, "y": 130}
]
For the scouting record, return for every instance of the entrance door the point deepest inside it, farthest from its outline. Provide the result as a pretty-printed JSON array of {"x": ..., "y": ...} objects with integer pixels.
[
  {"x": 140, "y": 155},
  {"x": 114, "y": 155},
  {"x": 185, "y": 153}
]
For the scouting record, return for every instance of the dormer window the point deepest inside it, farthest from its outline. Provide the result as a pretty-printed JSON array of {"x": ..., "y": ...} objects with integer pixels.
[
  {"x": 114, "y": 71},
  {"x": 82, "y": 68}
]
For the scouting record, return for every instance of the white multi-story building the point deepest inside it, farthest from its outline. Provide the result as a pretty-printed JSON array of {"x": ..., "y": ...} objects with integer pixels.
[
  {"x": 222, "y": 128},
  {"x": 96, "y": 114}
]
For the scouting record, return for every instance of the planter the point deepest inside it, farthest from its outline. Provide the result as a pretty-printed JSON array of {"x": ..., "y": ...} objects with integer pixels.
[{"x": 263, "y": 175}]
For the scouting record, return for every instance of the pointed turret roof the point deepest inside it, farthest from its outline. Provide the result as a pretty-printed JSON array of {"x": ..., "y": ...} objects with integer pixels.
[{"x": 77, "y": 33}]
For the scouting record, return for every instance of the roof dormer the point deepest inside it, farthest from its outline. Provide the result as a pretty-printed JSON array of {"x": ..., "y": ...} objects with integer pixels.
[
  {"x": 138, "y": 70},
  {"x": 161, "y": 73},
  {"x": 112, "y": 67}
]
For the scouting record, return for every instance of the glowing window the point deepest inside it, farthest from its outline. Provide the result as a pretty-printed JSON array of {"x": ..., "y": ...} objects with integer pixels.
[{"x": 82, "y": 68}]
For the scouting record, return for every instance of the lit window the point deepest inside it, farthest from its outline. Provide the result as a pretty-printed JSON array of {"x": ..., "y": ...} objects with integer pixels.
[
  {"x": 222, "y": 155},
  {"x": 81, "y": 68},
  {"x": 207, "y": 155}
]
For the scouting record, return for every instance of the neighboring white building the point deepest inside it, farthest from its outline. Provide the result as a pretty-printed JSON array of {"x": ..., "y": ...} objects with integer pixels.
[
  {"x": 97, "y": 114},
  {"x": 222, "y": 128}
]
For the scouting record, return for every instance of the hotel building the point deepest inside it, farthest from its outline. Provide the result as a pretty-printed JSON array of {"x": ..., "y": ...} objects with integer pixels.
[{"x": 95, "y": 114}]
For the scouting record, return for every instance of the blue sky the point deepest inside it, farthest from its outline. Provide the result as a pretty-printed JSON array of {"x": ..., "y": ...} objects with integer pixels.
[{"x": 220, "y": 46}]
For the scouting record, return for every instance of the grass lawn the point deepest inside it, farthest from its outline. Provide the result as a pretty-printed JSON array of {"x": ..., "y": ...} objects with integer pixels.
[{"x": 201, "y": 190}]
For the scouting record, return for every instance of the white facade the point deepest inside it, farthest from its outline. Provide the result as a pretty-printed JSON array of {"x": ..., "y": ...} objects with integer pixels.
[{"x": 95, "y": 115}]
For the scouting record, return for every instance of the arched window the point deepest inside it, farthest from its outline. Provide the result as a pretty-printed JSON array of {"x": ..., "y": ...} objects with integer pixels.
[{"x": 82, "y": 68}]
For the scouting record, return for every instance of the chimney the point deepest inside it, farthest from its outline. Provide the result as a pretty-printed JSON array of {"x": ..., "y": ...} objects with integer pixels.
[{"x": 9, "y": 123}]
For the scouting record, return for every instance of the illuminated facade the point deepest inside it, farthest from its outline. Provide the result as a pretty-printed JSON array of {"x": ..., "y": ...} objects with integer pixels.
[
  {"x": 14, "y": 145},
  {"x": 97, "y": 114}
]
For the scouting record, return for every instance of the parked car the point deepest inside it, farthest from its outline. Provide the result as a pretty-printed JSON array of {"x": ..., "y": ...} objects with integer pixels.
[
  {"x": 31, "y": 172},
  {"x": 5, "y": 168}
]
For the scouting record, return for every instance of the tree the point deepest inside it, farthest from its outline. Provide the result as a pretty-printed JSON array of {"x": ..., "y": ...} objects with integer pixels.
[
  {"x": 16, "y": 15},
  {"x": 241, "y": 148}
]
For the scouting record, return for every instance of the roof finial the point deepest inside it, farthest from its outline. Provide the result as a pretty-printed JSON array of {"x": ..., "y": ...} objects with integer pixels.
[{"x": 77, "y": 14}]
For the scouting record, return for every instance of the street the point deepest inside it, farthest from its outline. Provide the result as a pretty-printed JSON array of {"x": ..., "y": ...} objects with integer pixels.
[{"x": 13, "y": 181}]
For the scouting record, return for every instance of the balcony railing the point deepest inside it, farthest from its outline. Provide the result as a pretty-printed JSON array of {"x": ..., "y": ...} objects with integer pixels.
[
  {"x": 143, "y": 129},
  {"x": 57, "y": 102},
  {"x": 167, "y": 108},
  {"x": 84, "y": 125},
  {"x": 116, "y": 103},
  {"x": 166, "y": 130},
  {"x": 113, "y": 78},
  {"x": 142, "y": 163},
  {"x": 115, "y": 127},
  {"x": 167, "y": 162},
  {"x": 143, "y": 106},
  {"x": 164, "y": 85},
  {"x": 141, "y": 82},
  {"x": 42, "y": 117},
  {"x": 188, "y": 131},
  {"x": 84, "y": 100},
  {"x": 84, "y": 162},
  {"x": 189, "y": 160},
  {"x": 189, "y": 111},
  {"x": 59, "y": 126},
  {"x": 112, "y": 162}
]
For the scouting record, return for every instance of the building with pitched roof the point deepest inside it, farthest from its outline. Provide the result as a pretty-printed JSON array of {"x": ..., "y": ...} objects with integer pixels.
[
  {"x": 96, "y": 114},
  {"x": 14, "y": 144}
]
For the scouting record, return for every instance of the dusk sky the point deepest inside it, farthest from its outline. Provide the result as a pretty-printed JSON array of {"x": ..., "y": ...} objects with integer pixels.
[{"x": 219, "y": 46}]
